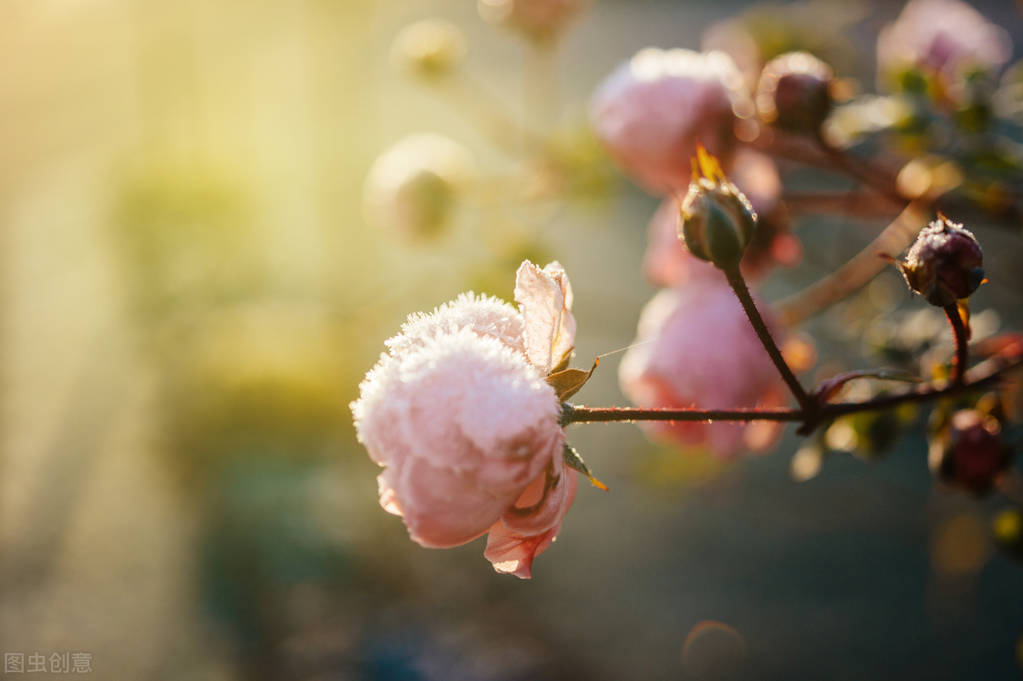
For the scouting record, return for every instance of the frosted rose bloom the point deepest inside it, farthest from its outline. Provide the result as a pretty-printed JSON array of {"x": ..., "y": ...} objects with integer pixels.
[
  {"x": 668, "y": 263},
  {"x": 411, "y": 188},
  {"x": 940, "y": 36},
  {"x": 538, "y": 19},
  {"x": 695, "y": 347},
  {"x": 653, "y": 111},
  {"x": 460, "y": 415}
]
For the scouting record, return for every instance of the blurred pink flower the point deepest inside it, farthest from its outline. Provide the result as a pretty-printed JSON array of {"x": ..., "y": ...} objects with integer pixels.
[
  {"x": 668, "y": 263},
  {"x": 695, "y": 347},
  {"x": 538, "y": 19},
  {"x": 653, "y": 111},
  {"x": 940, "y": 36},
  {"x": 461, "y": 417}
]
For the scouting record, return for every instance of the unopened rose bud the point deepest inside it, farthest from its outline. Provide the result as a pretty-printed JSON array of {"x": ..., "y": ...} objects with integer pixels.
[
  {"x": 944, "y": 264},
  {"x": 716, "y": 221},
  {"x": 794, "y": 92},
  {"x": 412, "y": 188},
  {"x": 429, "y": 48},
  {"x": 969, "y": 451}
]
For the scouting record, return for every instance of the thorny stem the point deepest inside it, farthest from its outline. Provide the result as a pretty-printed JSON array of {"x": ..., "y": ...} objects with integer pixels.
[
  {"x": 738, "y": 284},
  {"x": 962, "y": 338},
  {"x": 580, "y": 414},
  {"x": 981, "y": 376}
]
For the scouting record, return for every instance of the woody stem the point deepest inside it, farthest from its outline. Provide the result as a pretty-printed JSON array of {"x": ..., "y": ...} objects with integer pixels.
[
  {"x": 961, "y": 334},
  {"x": 981, "y": 376},
  {"x": 738, "y": 284}
]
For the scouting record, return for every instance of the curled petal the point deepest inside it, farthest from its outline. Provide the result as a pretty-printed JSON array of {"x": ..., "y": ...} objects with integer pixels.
[
  {"x": 545, "y": 298},
  {"x": 543, "y": 504},
  {"x": 511, "y": 551}
]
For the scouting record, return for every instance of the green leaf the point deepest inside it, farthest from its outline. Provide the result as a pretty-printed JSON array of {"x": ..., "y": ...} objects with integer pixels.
[
  {"x": 568, "y": 381},
  {"x": 575, "y": 461}
]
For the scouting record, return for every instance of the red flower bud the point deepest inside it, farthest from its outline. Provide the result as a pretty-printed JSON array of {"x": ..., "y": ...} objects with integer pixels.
[
  {"x": 794, "y": 92},
  {"x": 944, "y": 264},
  {"x": 969, "y": 451}
]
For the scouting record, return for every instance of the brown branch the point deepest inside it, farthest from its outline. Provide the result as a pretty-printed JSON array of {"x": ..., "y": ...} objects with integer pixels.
[
  {"x": 962, "y": 337},
  {"x": 980, "y": 377},
  {"x": 738, "y": 284}
]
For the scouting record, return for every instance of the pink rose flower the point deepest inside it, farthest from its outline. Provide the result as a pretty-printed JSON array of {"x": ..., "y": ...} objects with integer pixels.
[
  {"x": 940, "y": 36},
  {"x": 695, "y": 347},
  {"x": 460, "y": 415},
  {"x": 653, "y": 111},
  {"x": 668, "y": 263}
]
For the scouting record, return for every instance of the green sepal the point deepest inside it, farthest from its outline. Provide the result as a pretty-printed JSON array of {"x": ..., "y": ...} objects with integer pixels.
[{"x": 574, "y": 461}]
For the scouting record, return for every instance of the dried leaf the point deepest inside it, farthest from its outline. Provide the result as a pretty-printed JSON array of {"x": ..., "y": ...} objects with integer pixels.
[{"x": 568, "y": 381}]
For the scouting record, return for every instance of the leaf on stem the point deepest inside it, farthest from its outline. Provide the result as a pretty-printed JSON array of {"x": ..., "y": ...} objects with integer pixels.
[
  {"x": 568, "y": 381},
  {"x": 575, "y": 461}
]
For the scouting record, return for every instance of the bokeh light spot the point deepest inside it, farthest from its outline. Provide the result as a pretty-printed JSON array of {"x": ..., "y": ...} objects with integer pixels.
[{"x": 714, "y": 651}]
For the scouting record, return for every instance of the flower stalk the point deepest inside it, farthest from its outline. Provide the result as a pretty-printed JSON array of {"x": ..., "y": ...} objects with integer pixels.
[
  {"x": 962, "y": 337},
  {"x": 738, "y": 284},
  {"x": 982, "y": 376}
]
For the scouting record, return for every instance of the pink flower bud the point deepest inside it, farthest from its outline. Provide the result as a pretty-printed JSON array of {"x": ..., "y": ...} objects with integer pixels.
[
  {"x": 944, "y": 264},
  {"x": 460, "y": 415},
  {"x": 794, "y": 92},
  {"x": 969, "y": 452},
  {"x": 695, "y": 347},
  {"x": 940, "y": 37},
  {"x": 653, "y": 111}
]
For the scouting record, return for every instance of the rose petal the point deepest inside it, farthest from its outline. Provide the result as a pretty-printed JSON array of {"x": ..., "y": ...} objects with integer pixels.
[{"x": 545, "y": 298}]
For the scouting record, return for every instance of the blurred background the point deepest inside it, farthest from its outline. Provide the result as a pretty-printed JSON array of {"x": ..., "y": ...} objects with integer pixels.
[{"x": 195, "y": 279}]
